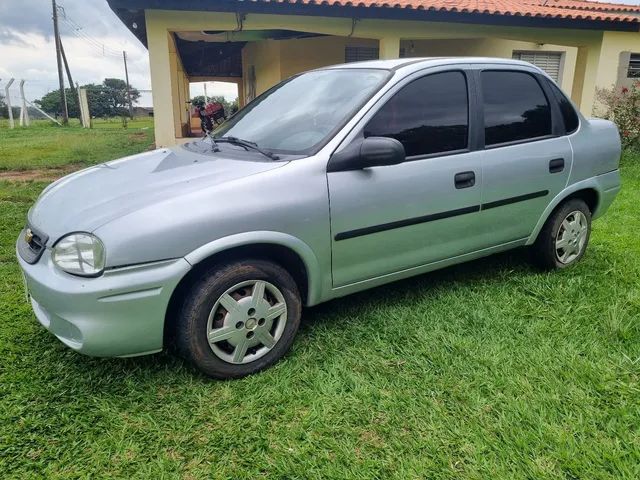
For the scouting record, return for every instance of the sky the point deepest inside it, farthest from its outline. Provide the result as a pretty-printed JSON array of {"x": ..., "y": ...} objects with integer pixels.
[{"x": 93, "y": 38}]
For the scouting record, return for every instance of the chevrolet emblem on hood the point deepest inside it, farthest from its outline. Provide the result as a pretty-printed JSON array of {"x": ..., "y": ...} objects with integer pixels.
[{"x": 28, "y": 235}]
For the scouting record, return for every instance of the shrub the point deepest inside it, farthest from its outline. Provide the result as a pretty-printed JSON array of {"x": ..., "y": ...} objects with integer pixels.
[{"x": 622, "y": 106}]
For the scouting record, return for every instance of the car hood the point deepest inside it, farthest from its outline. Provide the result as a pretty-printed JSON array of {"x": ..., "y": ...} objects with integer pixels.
[{"x": 85, "y": 200}]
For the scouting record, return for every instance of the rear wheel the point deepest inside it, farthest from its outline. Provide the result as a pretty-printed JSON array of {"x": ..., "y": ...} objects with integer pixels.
[
  {"x": 564, "y": 237},
  {"x": 239, "y": 318}
]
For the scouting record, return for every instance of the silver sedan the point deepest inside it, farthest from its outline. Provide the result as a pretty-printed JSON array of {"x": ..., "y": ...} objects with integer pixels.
[{"x": 334, "y": 181}]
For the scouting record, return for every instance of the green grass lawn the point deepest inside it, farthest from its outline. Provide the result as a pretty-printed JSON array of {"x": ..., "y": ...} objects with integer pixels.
[
  {"x": 47, "y": 145},
  {"x": 482, "y": 371}
]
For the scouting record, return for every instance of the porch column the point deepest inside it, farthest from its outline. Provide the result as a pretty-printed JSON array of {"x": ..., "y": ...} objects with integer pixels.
[
  {"x": 389, "y": 48},
  {"x": 584, "y": 79},
  {"x": 240, "y": 84},
  {"x": 162, "y": 88}
]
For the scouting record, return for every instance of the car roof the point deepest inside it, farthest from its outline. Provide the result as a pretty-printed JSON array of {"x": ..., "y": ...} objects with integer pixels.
[{"x": 423, "y": 62}]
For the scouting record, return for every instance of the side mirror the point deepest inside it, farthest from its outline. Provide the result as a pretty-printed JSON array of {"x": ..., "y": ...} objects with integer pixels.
[{"x": 368, "y": 152}]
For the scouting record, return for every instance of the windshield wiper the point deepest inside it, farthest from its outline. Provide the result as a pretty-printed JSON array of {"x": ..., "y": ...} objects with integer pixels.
[{"x": 247, "y": 146}]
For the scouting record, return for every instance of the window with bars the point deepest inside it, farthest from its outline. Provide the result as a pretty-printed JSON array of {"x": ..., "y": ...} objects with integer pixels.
[
  {"x": 634, "y": 66},
  {"x": 548, "y": 61},
  {"x": 360, "y": 54}
]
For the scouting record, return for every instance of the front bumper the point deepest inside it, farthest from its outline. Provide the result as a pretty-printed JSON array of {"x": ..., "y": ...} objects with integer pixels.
[{"x": 119, "y": 314}]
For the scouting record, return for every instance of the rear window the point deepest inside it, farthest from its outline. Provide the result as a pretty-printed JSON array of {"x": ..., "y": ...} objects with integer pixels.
[
  {"x": 515, "y": 107},
  {"x": 569, "y": 115}
]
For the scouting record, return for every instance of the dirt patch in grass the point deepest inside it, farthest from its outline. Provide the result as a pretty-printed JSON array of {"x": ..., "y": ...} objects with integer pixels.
[
  {"x": 137, "y": 136},
  {"x": 38, "y": 174}
]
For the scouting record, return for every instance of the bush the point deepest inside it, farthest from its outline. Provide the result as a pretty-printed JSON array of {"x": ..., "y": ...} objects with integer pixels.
[{"x": 622, "y": 106}]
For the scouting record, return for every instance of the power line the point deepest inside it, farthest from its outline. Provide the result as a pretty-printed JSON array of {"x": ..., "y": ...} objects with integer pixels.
[
  {"x": 77, "y": 30},
  {"x": 94, "y": 44}
]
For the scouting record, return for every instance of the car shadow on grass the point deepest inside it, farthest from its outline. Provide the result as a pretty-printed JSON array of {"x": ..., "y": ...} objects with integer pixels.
[
  {"x": 167, "y": 366},
  {"x": 491, "y": 269}
]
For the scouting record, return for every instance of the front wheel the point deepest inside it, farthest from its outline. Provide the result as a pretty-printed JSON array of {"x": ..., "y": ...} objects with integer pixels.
[
  {"x": 239, "y": 318},
  {"x": 564, "y": 237}
]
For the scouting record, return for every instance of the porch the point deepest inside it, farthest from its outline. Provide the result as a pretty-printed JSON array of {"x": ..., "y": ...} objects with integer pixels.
[{"x": 257, "y": 50}]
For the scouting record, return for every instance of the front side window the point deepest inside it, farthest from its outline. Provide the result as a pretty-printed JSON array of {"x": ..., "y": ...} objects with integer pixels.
[
  {"x": 301, "y": 113},
  {"x": 515, "y": 107},
  {"x": 429, "y": 115}
]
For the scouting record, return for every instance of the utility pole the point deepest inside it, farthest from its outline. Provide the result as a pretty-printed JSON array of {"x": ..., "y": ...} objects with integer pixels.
[
  {"x": 126, "y": 76},
  {"x": 74, "y": 90},
  {"x": 63, "y": 96}
]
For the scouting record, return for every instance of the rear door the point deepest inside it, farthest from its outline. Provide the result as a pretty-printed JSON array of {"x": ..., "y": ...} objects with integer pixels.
[{"x": 526, "y": 159}]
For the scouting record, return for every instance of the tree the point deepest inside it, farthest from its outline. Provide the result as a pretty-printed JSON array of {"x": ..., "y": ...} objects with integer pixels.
[
  {"x": 106, "y": 100},
  {"x": 114, "y": 96},
  {"x": 50, "y": 103}
]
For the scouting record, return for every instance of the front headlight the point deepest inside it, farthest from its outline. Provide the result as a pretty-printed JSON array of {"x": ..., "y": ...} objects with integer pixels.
[{"x": 80, "y": 254}]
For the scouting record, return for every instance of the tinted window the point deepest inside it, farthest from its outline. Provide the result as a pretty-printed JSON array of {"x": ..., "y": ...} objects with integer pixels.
[
  {"x": 515, "y": 107},
  {"x": 430, "y": 115},
  {"x": 569, "y": 114}
]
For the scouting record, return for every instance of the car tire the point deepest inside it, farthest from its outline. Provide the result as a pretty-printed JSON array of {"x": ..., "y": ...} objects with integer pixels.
[
  {"x": 564, "y": 236},
  {"x": 250, "y": 305}
]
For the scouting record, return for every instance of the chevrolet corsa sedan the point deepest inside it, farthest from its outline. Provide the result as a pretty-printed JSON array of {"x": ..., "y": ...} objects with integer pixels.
[{"x": 334, "y": 181}]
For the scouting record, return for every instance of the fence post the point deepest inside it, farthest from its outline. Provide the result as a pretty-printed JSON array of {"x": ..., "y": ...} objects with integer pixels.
[
  {"x": 85, "y": 115},
  {"x": 7, "y": 99},
  {"x": 24, "y": 111}
]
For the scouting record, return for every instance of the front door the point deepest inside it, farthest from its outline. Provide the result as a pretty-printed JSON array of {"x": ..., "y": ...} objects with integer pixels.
[{"x": 390, "y": 218}]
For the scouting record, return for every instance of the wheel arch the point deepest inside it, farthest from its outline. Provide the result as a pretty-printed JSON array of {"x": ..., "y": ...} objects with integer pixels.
[
  {"x": 588, "y": 191},
  {"x": 291, "y": 253}
]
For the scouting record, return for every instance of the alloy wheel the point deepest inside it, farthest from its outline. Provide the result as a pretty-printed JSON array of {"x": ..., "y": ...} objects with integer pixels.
[
  {"x": 572, "y": 237},
  {"x": 246, "y": 321}
]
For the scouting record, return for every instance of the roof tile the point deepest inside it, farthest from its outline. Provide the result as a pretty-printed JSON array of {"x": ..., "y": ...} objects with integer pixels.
[{"x": 566, "y": 9}]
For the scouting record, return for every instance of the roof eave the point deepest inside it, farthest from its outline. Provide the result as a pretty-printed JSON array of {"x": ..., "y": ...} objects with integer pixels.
[{"x": 127, "y": 10}]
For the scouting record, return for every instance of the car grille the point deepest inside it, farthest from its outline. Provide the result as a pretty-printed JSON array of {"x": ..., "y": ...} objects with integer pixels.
[{"x": 31, "y": 244}]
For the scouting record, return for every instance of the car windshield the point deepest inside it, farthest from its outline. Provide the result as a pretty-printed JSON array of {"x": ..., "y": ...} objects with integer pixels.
[{"x": 301, "y": 113}]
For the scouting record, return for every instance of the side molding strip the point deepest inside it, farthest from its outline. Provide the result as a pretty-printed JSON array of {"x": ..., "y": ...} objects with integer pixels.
[
  {"x": 383, "y": 227},
  {"x": 519, "y": 198},
  {"x": 359, "y": 232}
]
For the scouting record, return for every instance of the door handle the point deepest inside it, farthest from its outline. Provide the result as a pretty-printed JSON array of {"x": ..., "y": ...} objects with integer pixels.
[
  {"x": 464, "y": 179},
  {"x": 556, "y": 165}
]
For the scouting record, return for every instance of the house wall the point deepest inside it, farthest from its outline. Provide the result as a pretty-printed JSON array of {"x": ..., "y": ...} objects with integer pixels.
[
  {"x": 265, "y": 57},
  {"x": 494, "y": 47},
  {"x": 597, "y": 53},
  {"x": 277, "y": 60}
]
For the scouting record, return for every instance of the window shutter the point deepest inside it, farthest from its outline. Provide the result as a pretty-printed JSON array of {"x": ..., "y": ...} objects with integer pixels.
[
  {"x": 360, "y": 54},
  {"x": 547, "y": 61}
]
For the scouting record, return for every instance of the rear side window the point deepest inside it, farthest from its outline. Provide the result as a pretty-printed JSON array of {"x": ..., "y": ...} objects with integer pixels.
[
  {"x": 429, "y": 115},
  {"x": 569, "y": 114},
  {"x": 515, "y": 107}
]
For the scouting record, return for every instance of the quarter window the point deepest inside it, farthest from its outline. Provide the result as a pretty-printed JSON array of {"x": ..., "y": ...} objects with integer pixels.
[
  {"x": 429, "y": 115},
  {"x": 569, "y": 114},
  {"x": 515, "y": 107}
]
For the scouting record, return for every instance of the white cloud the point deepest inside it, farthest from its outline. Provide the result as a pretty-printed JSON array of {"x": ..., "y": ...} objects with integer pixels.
[
  {"x": 27, "y": 49},
  {"x": 226, "y": 89}
]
